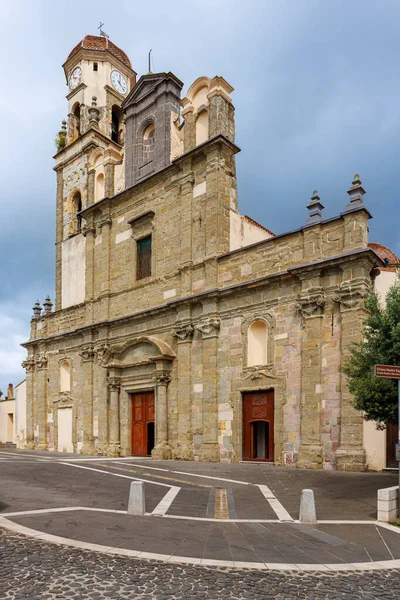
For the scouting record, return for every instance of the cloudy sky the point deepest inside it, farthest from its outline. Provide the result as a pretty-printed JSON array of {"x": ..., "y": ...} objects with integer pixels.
[{"x": 317, "y": 86}]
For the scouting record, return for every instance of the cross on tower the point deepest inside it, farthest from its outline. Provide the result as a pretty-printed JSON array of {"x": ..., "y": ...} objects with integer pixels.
[{"x": 102, "y": 33}]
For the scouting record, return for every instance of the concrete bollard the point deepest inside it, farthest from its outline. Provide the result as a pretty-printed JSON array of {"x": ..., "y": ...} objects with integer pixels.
[
  {"x": 388, "y": 504},
  {"x": 137, "y": 501},
  {"x": 307, "y": 507}
]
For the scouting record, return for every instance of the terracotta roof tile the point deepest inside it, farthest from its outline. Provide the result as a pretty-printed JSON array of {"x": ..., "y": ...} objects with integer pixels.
[
  {"x": 385, "y": 254},
  {"x": 97, "y": 42}
]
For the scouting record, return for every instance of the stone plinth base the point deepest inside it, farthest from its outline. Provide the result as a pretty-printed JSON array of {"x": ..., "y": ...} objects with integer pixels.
[
  {"x": 162, "y": 451},
  {"x": 310, "y": 457},
  {"x": 184, "y": 451},
  {"x": 350, "y": 459},
  {"x": 88, "y": 448},
  {"x": 42, "y": 446},
  {"x": 209, "y": 452},
  {"x": 113, "y": 449}
]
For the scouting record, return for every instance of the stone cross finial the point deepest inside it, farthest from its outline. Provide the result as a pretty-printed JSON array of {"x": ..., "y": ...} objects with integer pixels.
[
  {"x": 37, "y": 310},
  {"x": 356, "y": 193},
  {"x": 315, "y": 207},
  {"x": 47, "y": 305}
]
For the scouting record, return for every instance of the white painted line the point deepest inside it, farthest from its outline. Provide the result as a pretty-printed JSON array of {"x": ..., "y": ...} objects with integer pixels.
[
  {"x": 116, "y": 474},
  {"x": 23, "y": 455},
  {"x": 103, "y": 458},
  {"x": 47, "y": 537},
  {"x": 227, "y": 520},
  {"x": 40, "y": 511},
  {"x": 166, "y": 502},
  {"x": 195, "y": 475},
  {"x": 274, "y": 503}
]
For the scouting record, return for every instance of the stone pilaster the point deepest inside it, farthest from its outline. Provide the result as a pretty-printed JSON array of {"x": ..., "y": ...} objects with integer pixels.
[
  {"x": 186, "y": 191},
  {"x": 184, "y": 333},
  {"x": 350, "y": 295},
  {"x": 162, "y": 449},
  {"x": 87, "y": 354},
  {"x": 209, "y": 327},
  {"x": 90, "y": 186},
  {"x": 109, "y": 174},
  {"x": 310, "y": 306},
  {"x": 40, "y": 421},
  {"x": 89, "y": 232},
  {"x": 113, "y": 416},
  {"x": 29, "y": 366},
  {"x": 100, "y": 400},
  {"x": 189, "y": 130},
  {"x": 59, "y": 235}
]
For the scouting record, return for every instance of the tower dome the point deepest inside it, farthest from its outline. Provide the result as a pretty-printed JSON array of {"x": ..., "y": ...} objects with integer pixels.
[{"x": 102, "y": 44}]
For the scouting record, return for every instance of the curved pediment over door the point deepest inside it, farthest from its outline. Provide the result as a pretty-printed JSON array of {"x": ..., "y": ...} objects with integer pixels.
[{"x": 137, "y": 351}]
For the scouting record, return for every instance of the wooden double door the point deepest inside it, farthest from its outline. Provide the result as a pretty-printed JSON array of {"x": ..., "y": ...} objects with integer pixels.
[
  {"x": 142, "y": 419},
  {"x": 258, "y": 426}
]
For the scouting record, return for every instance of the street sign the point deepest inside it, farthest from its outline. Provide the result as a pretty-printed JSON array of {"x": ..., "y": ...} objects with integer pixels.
[
  {"x": 398, "y": 452},
  {"x": 387, "y": 371}
]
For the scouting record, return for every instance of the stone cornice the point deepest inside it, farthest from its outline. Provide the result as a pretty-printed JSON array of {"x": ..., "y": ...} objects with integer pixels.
[{"x": 216, "y": 292}]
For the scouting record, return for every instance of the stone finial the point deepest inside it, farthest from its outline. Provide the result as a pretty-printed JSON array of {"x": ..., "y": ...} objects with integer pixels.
[
  {"x": 356, "y": 193},
  {"x": 94, "y": 112},
  {"x": 47, "y": 305},
  {"x": 37, "y": 310},
  {"x": 315, "y": 207}
]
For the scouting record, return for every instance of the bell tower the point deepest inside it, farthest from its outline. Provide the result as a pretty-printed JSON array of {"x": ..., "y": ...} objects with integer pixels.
[{"x": 90, "y": 152}]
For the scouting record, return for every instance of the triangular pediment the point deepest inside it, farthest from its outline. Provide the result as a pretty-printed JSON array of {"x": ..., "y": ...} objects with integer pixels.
[{"x": 146, "y": 85}]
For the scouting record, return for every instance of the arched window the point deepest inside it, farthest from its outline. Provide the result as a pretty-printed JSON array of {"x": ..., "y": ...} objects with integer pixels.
[
  {"x": 202, "y": 128},
  {"x": 148, "y": 142},
  {"x": 65, "y": 376},
  {"x": 257, "y": 344},
  {"x": 116, "y": 124},
  {"x": 77, "y": 120},
  {"x": 99, "y": 193}
]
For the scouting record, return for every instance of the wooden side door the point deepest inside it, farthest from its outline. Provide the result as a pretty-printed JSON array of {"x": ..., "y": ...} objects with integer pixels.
[
  {"x": 258, "y": 426},
  {"x": 391, "y": 441},
  {"x": 142, "y": 413}
]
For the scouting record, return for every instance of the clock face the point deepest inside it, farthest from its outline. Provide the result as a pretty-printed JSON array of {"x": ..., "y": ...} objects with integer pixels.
[
  {"x": 75, "y": 78},
  {"x": 119, "y": 82}
]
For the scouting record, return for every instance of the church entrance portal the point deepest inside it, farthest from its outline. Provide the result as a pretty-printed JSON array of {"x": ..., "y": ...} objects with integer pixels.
[
  {"x": 258, "y": 426},
  {"x": 142, "y": 423}
]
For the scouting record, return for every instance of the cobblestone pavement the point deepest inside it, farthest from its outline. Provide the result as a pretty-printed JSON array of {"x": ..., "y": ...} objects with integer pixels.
[{"x": 33, "y": 570}]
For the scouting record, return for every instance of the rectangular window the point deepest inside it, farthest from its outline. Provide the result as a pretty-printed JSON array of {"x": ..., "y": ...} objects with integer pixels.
[
  {"x": 143, "y": 258},
  {"x": 94, "y": 66}
]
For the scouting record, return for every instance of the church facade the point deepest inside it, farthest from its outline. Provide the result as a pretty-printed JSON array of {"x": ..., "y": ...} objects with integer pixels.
[{"x": 183, "y": 329}]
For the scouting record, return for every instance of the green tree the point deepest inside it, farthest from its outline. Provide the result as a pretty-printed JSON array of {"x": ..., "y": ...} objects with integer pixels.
[
  {"x": 1, "y": 393},
  {"x": 375, "y": 396}
]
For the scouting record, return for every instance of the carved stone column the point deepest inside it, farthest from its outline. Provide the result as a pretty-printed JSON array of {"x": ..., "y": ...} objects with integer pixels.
[
  {"x": 350, "y": 456},
  {"x": 162, "y": 449},
  {"x": 29, "y": 366},
  {"x": 184, "y": 334},
  {"x": 209, "y": 327},
  {"x": 87, "y": 354},
  {"x": 113, "y": 417},
  {"x": 310, "y": 306}
]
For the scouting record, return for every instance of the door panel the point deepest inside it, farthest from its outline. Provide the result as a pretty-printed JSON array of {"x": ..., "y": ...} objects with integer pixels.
[
  {"x": 258, "y": 426},
  {"x": 142, "y": 413},
  {"x": 64, "y": 419},
  {"x": 391, "y": 441}
]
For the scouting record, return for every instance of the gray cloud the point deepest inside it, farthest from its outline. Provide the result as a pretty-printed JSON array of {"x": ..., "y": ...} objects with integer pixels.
[{"x": 316, "y": 96}]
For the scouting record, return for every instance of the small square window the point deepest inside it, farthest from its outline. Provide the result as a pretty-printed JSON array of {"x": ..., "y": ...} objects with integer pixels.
[
  {"x": 94, "y": 66},
  {"x": 143, "y": 258}
]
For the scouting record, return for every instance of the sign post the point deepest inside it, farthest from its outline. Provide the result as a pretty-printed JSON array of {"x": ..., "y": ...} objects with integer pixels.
[{"x": 392, "y": 372}]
